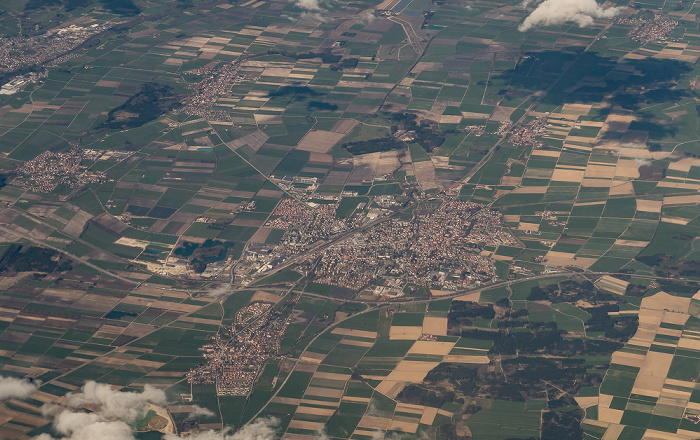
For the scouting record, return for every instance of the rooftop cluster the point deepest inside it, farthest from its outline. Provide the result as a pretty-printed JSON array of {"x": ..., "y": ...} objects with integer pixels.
[
  {"x": 217, "y": 82},
  {"x": 48, "y": 170},
  {"x": 236, "y": 355},
  {"x": 659, "y": 28},
  {"x": 18, "y": 52},
  {"x": 527, "y": 134},
  {"x": 437, "y": 246}
]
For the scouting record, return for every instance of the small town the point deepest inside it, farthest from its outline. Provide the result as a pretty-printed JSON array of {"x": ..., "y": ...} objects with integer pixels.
[
  {"x": 235, "y": 356},
  {"x": 217, "y": 82},
  {"x": 48, "y": 170},
  {"x": 305, "y": 226},
  {"x": 18, "y": 52},
  {"x": 659, "y": 28},
  {"x": 522, "y": 135},
  {"x": 438, "y": 246}
]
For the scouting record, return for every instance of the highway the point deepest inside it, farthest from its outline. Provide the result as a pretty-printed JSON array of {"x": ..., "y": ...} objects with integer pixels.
[{"x": 68, "y": 254}]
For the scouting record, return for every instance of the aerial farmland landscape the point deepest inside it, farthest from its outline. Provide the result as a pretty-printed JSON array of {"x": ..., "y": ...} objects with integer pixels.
[{"x": 349, "y": 219}]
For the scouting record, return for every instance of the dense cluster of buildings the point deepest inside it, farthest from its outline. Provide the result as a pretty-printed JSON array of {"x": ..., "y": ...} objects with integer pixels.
[
  {"x": 551, "y": 217},
  {"x": 251, "y": 312},
  {"x": 18, "y": 52},
  {"x": 440, "y": 246},
  {"x": 217, "y": 82},
  {"x": 17, "y": 83},
  {"x": 521, "y": 135},
  {"x": 659, "y": 28},
  {"x": 48, "y": 170},
  {"x": 236, "y": 356},
  {"x": 304, "y": 226}
]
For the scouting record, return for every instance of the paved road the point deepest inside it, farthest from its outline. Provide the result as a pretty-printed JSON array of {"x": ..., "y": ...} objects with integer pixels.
[
  {"x": 374, "y": 305},
  {"x": 323, "y": 244},
  {"x": 68, "y": 254}
]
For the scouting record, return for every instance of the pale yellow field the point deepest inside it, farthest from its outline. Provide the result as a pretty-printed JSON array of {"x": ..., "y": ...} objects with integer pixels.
[
  {"x": 313, "y": 357},
  {"x": 682, "y": 200},
  {"x": 530, "y": 190},
  {"x": 332, "y": 376},
  {"x": 319, "y": 141},
  {"x": 597, "y": 183},
  {"x": 409, "y": 427},
  {"x": 649, "y": 205},
  {"x": 474, "y": 297},
  {"x": 675, "y": 220},
  {"x": 301, "y": 424},
  {"x": 652, "y": 374},
  {"x": 577, "y": 109},
  {"x": 357, "y": 343},
  {"x": 637, "y": 243},
  {"x": 353, "y": 332},
  {"x": 435, "y": 292},
  {"x": 511, "y": 180},
  {"x": 435, "y": 326},
  {"x": 428, "y": 415},
  {"x": 546, "y": 153},
  {"x": 345, "y": 126},
  {"x": 357, "y": 399},
  {"x": 538, "y": 173},
  {"x": 466, "y": 359},
  {"x": 324, "y": 392},
  {"x": 306, "y": 367},
  {"x": 432, "y": 347},
  {"x": 665, "y": 302},
  {"x": 315, "y": 411},
  {"x": 261, "y": 295},
  {"x": 555, "y": 258},
  {"x": 529, "y": 226},
  {"x": 307, "y": 401},
  {"x": 409, "y": 408},
  {"x": 372, "y": 422},
  {"x": 600, "y": 171},
  {"x": 627, "y": 168},
  {"x": 564, "y": 175}
]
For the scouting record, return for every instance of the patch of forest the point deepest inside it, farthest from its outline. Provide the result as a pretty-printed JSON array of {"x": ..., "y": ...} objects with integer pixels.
[
  {"x": 374, "y": 145},
  {"x": 519, "y": 371},
  {"x": 152, "y": 101},
  {"x": 19, "y": 258}
]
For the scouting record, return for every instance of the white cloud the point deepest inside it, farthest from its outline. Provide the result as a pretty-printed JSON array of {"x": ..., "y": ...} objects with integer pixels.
[
  {"x": 321, "y": 434},
  {"x": 219, "y": 291},
  {"x": 198, "y": 411},
  {"x": 83, "y": 426},
  {"x": 260, "y": 429},
  {"x": 14, "y": 388},
  {"x": 114, "y": 410},
  {"x": 308, "y": 5},
  {"x": 553, "y": 12},
  {"x": 127, "y": 406},
  {"x": 367, "y": 17}
]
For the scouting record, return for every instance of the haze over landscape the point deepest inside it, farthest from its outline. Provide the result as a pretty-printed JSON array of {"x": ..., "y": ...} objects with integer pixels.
[{"x": 361, "y": 219}]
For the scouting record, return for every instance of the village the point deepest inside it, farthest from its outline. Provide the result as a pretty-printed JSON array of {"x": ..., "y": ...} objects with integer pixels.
[
  {"x": 19, "y": 52},
  {"x": 217, "y": 82},
  {"x": 438, "y": 246},
  {"x": 659, "y": 28},
  {"x": 236, "y": 355},
  {"x": 48, "y": 170}
]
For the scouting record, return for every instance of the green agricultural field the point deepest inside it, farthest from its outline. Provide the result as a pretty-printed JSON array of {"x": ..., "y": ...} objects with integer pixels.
[
  {"x": 504, "y": 420},
  {"x": 145, "y": 157}
]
